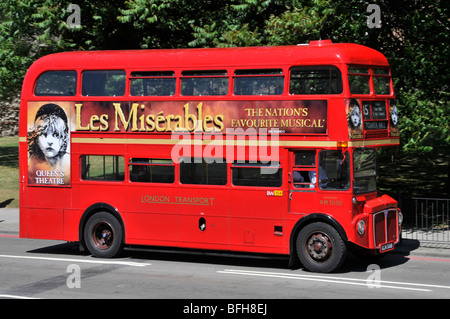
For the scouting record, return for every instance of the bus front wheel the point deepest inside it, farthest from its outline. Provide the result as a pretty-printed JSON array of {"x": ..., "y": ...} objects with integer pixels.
[
  {"x": 103, "y": 235},
  {"x": 320, "y": 248}
]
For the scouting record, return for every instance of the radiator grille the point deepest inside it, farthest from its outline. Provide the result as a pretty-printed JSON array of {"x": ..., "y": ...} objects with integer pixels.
[{"x": 385, "y": 227}]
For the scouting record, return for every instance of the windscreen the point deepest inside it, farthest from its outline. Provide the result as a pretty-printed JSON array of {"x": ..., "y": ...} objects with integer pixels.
[{"x": 364, "y": 170}]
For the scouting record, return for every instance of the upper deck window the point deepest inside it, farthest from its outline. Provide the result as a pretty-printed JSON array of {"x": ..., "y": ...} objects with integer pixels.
[
  {"x": 358, "y": 80},
  {"x": 153, "y": 83},
  {"x": 56, "y": 83},
  {"x": 315, "y": 80},
  {"x": 103, "y": 83},
  {"x": 204, "y": 82},
  {"x": 381, "y": 81},
  {"x": 259, "y": 82}
]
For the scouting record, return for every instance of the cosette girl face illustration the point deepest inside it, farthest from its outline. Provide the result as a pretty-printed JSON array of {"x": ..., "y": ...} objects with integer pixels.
[
  {"x": 50, "y": 141},
  {"x": 49, "y": 137},
  {"x": 354, "y": 115},
  {"x": 394, "y": 115}
]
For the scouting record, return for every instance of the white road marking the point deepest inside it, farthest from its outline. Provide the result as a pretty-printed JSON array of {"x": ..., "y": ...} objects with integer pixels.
[
  {"x": 331, "y": 279},
  {"x": 89, "y": 261},
  {"x": 16, "y": 297}
]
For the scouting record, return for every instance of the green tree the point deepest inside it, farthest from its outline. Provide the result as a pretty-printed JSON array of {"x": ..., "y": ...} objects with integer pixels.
[
  {"x": 414, "y": 35},
  {"x": 30, "y": 29}
]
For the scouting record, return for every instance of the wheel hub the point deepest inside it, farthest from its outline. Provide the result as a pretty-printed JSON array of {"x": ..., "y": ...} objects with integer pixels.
[
  {"x": 102, "y": 235},
  {"x": 319, "y": 247}
]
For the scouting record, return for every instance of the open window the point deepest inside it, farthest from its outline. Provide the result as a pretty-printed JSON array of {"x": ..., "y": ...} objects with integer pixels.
[{"x": 304, "y": 169}]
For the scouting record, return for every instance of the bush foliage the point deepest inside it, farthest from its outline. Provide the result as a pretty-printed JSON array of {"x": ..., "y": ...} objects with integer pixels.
[{"x": 414, "y": 36}]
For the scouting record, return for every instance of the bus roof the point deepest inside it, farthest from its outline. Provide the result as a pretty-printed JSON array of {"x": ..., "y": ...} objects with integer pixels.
[{"x": 316, "y": 52}]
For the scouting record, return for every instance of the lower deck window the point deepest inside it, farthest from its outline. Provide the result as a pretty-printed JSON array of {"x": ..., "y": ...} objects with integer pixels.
[
  {"x": 147, "y": 170},
  {"x": 304, "y": 170},
  {"x": 257, "y": 174},
  {"x": 201, "y": 171},
  {"x": 334, "y": 170},
  {"x": 102, "y": 168}
]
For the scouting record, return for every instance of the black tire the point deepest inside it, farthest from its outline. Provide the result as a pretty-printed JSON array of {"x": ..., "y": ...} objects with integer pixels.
[
  {"x": 320, "y": 248},
  {"x": 103, "y": 235}
]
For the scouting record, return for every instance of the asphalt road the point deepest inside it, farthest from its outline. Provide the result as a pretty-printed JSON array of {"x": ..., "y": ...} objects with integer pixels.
[{"x": 57, "y": 270}]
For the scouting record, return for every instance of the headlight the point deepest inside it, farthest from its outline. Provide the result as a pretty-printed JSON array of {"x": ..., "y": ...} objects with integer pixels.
[
  {"x": 361, "y": 226},
  {"x": 400, "y": 218}
]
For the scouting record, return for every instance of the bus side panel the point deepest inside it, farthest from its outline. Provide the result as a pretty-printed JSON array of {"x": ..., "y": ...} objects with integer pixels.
[
  {"x": 92, "y": 193},
  {"x": 72, "y": 219},
  {"x": 203, "y": 217},
  {"x": 23, "y": 221},
  {"x": 257, "y": 220},
  {"x": 152, "y": 215},
  {"x": 85, "y": 193},
  {"x": 48, "y": 222},
  {"x": 23, "y": 196}
]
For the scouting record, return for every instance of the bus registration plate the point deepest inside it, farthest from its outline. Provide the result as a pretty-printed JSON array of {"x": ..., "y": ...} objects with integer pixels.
[{"x": 387, "y": 247}]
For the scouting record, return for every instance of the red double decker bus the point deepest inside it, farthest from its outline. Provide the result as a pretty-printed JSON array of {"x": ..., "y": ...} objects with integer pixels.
[{"x": 263, "y": 149}]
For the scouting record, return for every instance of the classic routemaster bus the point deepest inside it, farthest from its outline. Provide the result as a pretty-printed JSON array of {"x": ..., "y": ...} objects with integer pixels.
[{"x": 262, "y": 149}]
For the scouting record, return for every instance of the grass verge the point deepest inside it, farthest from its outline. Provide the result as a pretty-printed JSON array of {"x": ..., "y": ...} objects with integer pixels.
[{"x": 9, "y": 172}]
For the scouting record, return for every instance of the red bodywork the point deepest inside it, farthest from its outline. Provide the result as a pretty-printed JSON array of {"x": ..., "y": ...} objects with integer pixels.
[{"x": 240, "y": 218}]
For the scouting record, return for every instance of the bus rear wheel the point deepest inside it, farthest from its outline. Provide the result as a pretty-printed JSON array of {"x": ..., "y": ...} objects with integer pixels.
[
  {"x": 103, "y": 235},
  {"x": 320, "y": 248}
]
